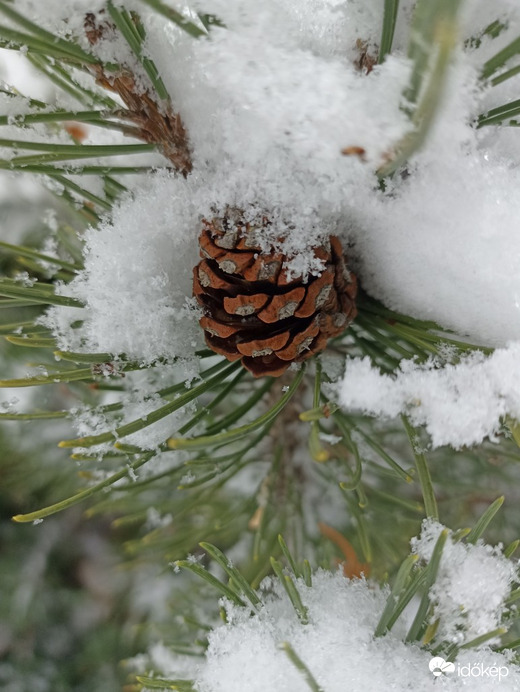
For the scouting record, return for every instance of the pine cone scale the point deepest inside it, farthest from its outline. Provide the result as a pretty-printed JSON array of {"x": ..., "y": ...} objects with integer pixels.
[
  {"x": 222, "y": 347},
  {"x": 264, "y": 269},
  {"x": 317, "y": 294},
  {"x": 300, "y": 342},
  {"x": 263, "y": 347},
  {"x": 267, "y": 365},
  {"x": 254, "y": 310},
  {"x": 282, "y": 306},
  {"x": 245, "y": 305}
]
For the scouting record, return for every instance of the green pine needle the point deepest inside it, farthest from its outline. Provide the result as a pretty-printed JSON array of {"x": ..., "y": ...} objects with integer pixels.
[
  {"x": 419, "y": 623},
  {"x": 423, "y": 472},
  {"x": 160, "y": 684},
  {"x": 387, "y": 35},
  {"x": 83, "y": 494},
  {"x": 179, "y": 19},
  {"x": 211, "y": 580},
  {"x": 484, "y": 521},
  {"x": 291, "y": 590},
  {"x": 300, "y": 665},
  {"x": 236, "y": 434}
]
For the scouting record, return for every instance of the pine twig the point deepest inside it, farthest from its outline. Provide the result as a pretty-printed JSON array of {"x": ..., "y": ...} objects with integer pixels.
[{"x": 154, "y": 119}]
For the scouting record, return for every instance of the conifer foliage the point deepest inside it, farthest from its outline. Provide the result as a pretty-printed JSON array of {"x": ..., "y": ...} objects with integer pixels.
[{"x": 258, "y": 297}]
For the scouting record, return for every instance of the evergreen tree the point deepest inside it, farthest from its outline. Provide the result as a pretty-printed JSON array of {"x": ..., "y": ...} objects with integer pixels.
[{"x": 215, "y": 305}]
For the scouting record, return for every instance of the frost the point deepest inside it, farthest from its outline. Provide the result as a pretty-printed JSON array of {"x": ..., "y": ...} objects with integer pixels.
[
  {"x": 10, "y": 406},
  {"x": 155, "y": 520},
  {"x": 330, "y": 439},
  {"x": 138, "y": 399}
]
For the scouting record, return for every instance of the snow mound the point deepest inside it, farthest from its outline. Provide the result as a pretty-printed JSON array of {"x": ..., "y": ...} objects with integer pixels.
[
  {"x": 338, "y": 645},
  {"x": 458, "y": 404}
]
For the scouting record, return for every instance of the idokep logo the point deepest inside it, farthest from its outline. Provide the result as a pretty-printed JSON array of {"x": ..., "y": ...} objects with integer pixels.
[
  {"x": 479, "y": 670},
  {"x": 438, "y": 666}
]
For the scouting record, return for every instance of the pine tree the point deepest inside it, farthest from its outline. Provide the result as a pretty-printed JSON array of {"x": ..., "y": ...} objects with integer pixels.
[{"x": 212, "y": 467}]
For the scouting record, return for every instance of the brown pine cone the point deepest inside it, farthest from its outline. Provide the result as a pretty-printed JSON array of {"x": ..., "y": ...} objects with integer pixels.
[{"x": 253, "y": 312}]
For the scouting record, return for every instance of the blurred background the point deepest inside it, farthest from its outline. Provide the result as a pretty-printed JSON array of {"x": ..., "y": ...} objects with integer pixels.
[{"x": 69, "y": 610}]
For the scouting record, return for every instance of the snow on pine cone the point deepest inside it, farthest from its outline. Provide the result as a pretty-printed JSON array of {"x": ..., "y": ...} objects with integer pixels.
[{"x": 253, "y": 311}]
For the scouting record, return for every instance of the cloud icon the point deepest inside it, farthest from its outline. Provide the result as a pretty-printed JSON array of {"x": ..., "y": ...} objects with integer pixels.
[{"x": 438, "y": 666}]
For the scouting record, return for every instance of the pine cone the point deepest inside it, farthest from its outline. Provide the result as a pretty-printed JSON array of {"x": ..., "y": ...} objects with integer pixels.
[{"x": 254, "y": 312}]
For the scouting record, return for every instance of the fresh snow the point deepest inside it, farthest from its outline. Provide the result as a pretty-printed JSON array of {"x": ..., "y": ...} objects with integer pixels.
[
  {"x": 472, "y": 584},
  {"x": 338, "y": 644},
  {"x": 458, "y": 404},
  {"x": 269, "y": 102},
  {"x": 137, "y": 280}
]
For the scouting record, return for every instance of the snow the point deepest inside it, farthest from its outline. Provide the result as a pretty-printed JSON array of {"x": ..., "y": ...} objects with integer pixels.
[
  {"x": 139, "y": 397},
  {"x": 338, "y": 644},
  {"x": 472, "y": 583},
  {"x": 459, "y": 404},
  {"x": 451, "y": 249},
  {"x": 269, "y": 103},
  {"x": 444, "y": 244},
  {"x": 272, "y": 100},
  {"x": 228, "y": 96},
  {"x": 137, "y": 281},
  {"x": 16, "y": 70}
]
